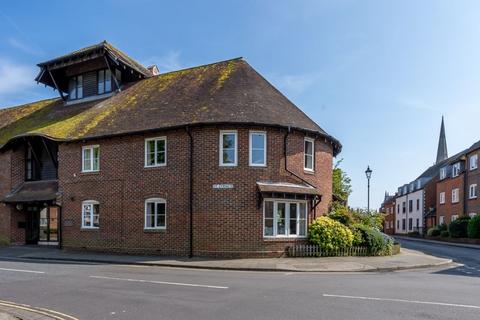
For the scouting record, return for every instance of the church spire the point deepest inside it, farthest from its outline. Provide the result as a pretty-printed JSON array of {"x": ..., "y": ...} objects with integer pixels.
[{"x": 442, "y": 153}]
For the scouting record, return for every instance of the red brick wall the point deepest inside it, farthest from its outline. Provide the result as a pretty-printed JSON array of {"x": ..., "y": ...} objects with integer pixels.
[
  {"x": 473, "y": 177},
  {"x": 5, "y": 185},
  {"x": 226, "y": 222},
  {"x": 389, "y": 222},
  {"x": 448, "y": 209}
]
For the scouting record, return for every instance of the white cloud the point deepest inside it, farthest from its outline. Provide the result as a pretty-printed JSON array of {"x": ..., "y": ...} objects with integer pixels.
[
  {"x": 15, "y": 78},
  {"x": 15, "y": 43},
  {"x": 167, "y": 62}
]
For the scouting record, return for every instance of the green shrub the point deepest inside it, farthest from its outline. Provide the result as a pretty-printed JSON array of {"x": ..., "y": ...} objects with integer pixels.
[
  {"x": 442, "y": 227},
  {"x": 4, "y": 241},
  {"x": 444, "y": 234},
  {"x": 329, "y": 234},
  {"x": 458, "y": 228},
  {"x": 341, "y": 215},
  {"x": 473, "y": 228},
  {"x": 374, "y": 240},
  {"x": 433, "y": 232},
  {"x": 358, "y": 238}
]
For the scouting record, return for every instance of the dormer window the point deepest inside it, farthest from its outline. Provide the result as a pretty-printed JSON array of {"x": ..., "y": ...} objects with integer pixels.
[
  {"x": 75, "y": 87},
  {"x": 104, "y": 81},
  {"x": 456, "y": 169},
  {"x": 443, "y": 173}
]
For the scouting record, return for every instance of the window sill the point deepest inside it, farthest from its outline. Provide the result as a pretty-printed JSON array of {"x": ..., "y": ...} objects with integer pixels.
[
  {"x": 283, "y": 238},
  {"x": 155, "y": 166},
  {"x": 90, "y": 172},
  {"x": 472, "y": 198},
  {"x": 89, "y": 229},
  {"x": 259, "y": 166},
  {"x": 155, "y": 230},
  {"x": 308, "y": 171}
]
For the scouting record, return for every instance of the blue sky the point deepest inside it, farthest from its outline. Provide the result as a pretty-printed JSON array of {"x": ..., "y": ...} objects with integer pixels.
[{"x": 378, "y": 75}]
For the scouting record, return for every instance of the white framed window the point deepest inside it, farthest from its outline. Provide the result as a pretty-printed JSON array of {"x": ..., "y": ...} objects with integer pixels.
[
  {"x": 454, "y": 217},
  {"x": 75, "y": 87},
  {"x": 442, "y": 197},
  {"x": 441, "y": 220},
  {"x": 443, "y": 173},
  {"x": 472, "y": 214},
  {"x": 91, "y": 158},
  {"x": 473, "y": 162},
  {"x": 90, "y": 214},
  {"x": 156, "y": 152},
  {"x": 473, "y": 191},
  {"x": 104, "y": 81},
  {"x": 284, "y": 218},
  {"x": 228, "y": 148},
  {"x": 155, "y": 214},
  {"x": 456, "y": 170},
  {"x": 455, "y": 195},
  {"x": 309, "y": 152},
  {"x": 258, "y": 149}
]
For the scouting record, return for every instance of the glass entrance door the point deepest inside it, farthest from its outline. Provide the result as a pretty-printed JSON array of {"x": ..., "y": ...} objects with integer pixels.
[{"x": 49, "y": 225}]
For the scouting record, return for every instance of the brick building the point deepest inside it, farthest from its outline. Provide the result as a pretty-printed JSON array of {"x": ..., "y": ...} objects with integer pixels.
[
  {"x": 206, "y": 161},
  {"x": 388, "y": 209}
]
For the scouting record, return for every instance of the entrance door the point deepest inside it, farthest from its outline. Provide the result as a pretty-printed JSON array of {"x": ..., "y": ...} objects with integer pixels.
[
  {"x": 32, "y": 228},
  {"x": 49, "y": 225}
]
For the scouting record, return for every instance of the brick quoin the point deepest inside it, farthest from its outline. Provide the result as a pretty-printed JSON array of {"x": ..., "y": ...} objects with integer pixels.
[{"x": 226, "y": 222}]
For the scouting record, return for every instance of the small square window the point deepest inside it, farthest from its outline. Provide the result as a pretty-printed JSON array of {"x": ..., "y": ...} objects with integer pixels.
[
  {"x": 473, "y": 191},
  {"x": 155, "y": 214},
  {"x": 90, "y": 158},
  {"x": 156, "y": 152},
  {"x": 90, "y": 214}
]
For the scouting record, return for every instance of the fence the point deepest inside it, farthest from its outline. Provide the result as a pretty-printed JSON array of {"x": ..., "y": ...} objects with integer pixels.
[{"x": 310, "y": 250}]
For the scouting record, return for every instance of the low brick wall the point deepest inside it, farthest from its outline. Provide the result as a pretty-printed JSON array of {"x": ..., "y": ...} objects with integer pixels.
[{"x": 455, "y": 240}]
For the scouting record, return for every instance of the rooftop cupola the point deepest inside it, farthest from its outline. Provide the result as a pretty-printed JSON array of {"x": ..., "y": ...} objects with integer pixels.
[{"x": 91, "y": 72}]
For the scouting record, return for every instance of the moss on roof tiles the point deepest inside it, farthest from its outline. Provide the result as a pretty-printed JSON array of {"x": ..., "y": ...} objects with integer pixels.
[{"x": 225, "y": 92}]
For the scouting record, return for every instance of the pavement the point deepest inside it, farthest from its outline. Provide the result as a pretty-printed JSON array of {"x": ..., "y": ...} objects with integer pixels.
[
  {"x": 99, "y": 291},
  {"x": 407, "y": 259},
  {"x": 454, "y": 244}
]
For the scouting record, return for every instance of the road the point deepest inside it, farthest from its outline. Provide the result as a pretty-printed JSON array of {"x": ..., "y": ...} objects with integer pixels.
[
  {"x": 470, "y": 258},
  {"x": 102, "y": 291}
]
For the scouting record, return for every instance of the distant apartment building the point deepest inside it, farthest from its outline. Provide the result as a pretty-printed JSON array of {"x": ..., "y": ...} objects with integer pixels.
[{"x": 388, "y": 209}]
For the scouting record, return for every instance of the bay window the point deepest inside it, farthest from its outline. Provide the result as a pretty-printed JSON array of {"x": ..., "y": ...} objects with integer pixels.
[{"x": 284, "y": 218}]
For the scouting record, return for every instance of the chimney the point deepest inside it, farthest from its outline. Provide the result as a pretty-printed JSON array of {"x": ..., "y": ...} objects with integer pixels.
[{"x": 153, "y": 70}]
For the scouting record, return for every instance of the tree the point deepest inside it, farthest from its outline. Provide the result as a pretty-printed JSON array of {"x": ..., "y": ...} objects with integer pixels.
[{"x": 342, "y": 187}]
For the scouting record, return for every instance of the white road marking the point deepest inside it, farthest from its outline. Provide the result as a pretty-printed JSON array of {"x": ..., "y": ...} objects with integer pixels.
[
  {"x": 20, "y": 270},
  {"x": 404, "y": 301},
  {"x": 161, "y": 282}
]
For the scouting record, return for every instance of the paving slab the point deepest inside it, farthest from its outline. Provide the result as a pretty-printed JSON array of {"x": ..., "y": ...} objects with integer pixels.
[{"x": 406, "y": 259}]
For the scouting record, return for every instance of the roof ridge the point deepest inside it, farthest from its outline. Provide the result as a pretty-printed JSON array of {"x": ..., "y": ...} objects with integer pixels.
[
  {"x": 199, "y": 66},
  {"x": 27, "y": 103}
]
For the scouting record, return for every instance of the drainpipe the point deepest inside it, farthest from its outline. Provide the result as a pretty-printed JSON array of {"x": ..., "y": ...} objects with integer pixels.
[{"x": 190, "y": 201}]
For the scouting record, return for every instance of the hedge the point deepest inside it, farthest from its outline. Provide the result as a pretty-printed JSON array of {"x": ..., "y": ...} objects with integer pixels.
[
  {"x": 473, "y": 228},
  {"x": 458, "y": 228}
]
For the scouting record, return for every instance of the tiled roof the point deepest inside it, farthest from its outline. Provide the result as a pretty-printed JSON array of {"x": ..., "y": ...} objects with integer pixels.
[{"x": 229, "y": 92}]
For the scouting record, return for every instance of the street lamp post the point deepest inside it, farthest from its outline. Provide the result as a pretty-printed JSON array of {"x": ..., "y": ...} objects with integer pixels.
[{"x": 368, "y": 173}]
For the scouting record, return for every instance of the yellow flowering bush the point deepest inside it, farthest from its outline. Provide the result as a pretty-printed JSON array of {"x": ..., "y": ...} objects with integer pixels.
[{"x": 329, "y": 234}]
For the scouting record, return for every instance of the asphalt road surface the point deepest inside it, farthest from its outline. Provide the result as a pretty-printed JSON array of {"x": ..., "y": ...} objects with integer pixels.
[
  {"x": 470, "y": 258},
  {"x": 101, "y": 291}
]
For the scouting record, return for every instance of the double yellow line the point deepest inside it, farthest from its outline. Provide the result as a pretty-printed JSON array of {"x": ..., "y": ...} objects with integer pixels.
[{"x": 43, "y": 311}]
